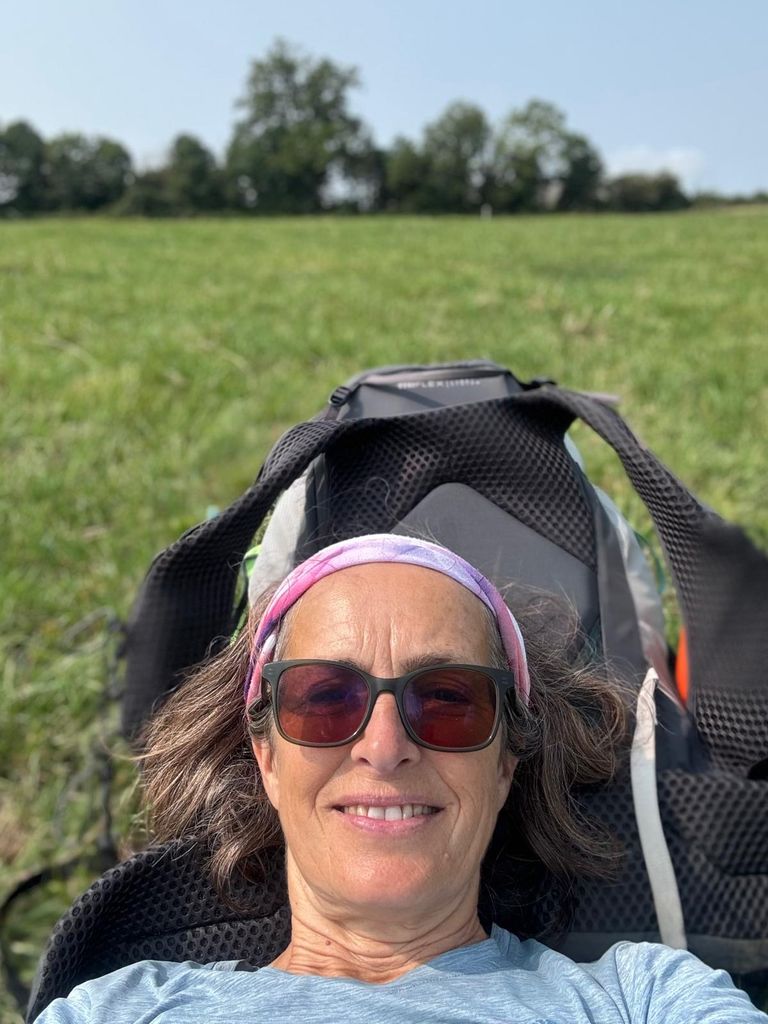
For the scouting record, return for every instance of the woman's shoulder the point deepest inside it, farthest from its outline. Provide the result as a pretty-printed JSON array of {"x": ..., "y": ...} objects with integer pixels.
[
  {"x": 646, "y": 980},
  {"x": 153, "y": 975},
  {"x": 672, "y": 983},
  {"x": 143, "y": 982}
]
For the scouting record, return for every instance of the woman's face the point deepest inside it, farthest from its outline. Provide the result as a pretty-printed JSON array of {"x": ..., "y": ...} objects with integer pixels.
[{"x": 386, "y": 619}]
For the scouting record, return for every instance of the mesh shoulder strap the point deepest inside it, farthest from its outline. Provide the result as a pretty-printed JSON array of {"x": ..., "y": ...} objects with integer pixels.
[
  {"x": 185, "y": 602},
  {"x": 720, "y": 575}
]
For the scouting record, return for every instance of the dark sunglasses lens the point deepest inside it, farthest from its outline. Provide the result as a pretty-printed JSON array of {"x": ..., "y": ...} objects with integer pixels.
[
  {"x": 451, "y": 707},
  {"x": 321, "y": 703}
]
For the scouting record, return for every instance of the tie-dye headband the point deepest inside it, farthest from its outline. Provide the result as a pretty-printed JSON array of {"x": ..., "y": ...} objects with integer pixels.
[{"x": 382, "y": 547}]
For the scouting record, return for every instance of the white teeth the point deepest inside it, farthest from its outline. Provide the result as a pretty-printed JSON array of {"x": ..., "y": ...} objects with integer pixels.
[{"x": 394, "y": 812}]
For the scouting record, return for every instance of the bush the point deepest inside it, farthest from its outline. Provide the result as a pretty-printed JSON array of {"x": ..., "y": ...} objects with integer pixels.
[{"x": 645, "y": 193}]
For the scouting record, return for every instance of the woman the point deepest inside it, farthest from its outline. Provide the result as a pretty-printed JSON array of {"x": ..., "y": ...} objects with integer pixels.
[{"x": 393, "y": 712}]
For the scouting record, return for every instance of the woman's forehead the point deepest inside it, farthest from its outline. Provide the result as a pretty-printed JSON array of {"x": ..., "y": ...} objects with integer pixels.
[
  {"x": 395, "y": 601},
  {"x": 404, "y": 583}
]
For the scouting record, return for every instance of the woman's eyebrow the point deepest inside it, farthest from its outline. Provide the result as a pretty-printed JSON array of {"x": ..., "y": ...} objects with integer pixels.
[
  {"x": 426, "y": 659},
  {"x": 429, "y": 658}
]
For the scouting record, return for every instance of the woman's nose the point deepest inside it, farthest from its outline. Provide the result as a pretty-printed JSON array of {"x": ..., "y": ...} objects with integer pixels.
[{"x": 384, "y": 743}]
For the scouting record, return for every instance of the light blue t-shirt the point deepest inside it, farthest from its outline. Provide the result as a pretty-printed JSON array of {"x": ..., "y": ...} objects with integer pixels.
[{"x": 501, "y": 979}]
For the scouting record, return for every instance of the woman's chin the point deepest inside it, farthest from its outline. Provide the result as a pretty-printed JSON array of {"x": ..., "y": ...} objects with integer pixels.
[{"x": 390, "y": 885}]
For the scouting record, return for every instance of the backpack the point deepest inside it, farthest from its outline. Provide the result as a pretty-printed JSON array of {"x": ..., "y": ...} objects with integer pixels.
[{"x": 474, "y": 458}]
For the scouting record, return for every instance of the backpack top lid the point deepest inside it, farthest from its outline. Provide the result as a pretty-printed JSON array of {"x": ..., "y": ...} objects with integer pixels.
[{"x": 398, "y": 390}]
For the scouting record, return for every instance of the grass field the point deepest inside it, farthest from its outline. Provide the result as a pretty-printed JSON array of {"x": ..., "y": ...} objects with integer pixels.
[{"x": 147, "y": 367}]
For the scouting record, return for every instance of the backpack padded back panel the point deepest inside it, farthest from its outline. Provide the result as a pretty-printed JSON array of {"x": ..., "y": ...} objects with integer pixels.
[{"x": 503, "y": 548}]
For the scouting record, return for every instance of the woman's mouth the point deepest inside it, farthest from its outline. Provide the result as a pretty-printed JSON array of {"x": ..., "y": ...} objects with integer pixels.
[{"x": 394, "y": 812}]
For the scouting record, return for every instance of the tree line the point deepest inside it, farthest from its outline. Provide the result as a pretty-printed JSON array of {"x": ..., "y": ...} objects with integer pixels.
[{"x": 298, "y": 148}]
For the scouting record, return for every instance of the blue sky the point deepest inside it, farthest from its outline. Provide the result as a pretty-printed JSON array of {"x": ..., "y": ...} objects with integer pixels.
[{"x": 676, "y": 84}]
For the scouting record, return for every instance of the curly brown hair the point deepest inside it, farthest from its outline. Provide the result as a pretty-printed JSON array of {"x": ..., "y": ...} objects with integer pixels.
[{"x": 201, "y": 781}]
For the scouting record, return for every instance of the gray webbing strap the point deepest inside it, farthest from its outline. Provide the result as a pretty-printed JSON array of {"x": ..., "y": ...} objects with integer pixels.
[{"x": 658, "y": 862}]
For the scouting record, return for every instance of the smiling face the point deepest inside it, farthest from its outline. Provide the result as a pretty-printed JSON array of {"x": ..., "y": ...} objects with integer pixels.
[{"x": 386, "y": 619}]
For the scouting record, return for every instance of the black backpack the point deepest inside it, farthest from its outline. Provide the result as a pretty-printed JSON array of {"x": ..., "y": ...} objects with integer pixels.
[{"x": 470, "y": 456}]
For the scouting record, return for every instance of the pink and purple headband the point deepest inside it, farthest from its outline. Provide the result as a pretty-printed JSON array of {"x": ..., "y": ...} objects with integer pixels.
[{"x": 383, "y": 547}]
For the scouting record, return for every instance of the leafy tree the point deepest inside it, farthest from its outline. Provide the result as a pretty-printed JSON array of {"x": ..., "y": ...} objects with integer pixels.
[
  {"x": 644, "y": 193},
  {"x": 538, "y": 128},
  {"x": 538, "y": 164},
  {"x": 22, "y": 157},
  {"x": 581, "y": 175},
  {"x": 407, "y": 177},
  {"x": 297, "y": 132},
  {"x": 526, "y": 156},
  {"x": 193, "y": 180},
  {"x": 455, "y": 153},
  {"x": 85, "y": 173},
  {"x": 363, "y": 181},
  {"x": 147, "y": 196},
  {"x": 514, "y": 181}
]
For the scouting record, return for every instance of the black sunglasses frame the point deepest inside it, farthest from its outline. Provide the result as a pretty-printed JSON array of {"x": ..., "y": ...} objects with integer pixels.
[{"x": 503, "y": 680}]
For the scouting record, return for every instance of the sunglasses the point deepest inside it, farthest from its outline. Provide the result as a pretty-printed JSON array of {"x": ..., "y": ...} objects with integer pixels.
[{"x": 444, "y": 707}]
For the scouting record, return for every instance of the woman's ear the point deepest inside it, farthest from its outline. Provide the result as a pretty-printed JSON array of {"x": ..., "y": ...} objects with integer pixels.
[
  {"x": 264, "y": 753},
  {"x": 507, "y": 764}
]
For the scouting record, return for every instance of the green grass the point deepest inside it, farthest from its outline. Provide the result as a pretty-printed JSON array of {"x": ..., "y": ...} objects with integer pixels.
[{"x": 147, "y": 367}]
